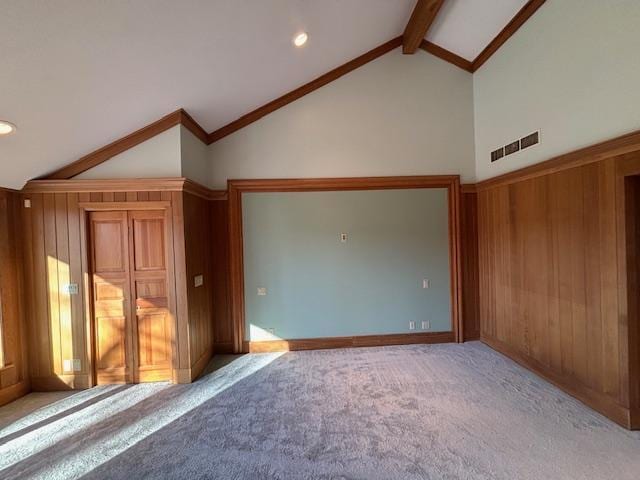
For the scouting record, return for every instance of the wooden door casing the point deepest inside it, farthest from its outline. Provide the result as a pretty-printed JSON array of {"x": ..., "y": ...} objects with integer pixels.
[{"x": 132, "y": 321}]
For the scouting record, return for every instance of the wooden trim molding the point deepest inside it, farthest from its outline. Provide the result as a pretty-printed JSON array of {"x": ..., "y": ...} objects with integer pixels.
[
  {"x": 300, "y": 92},
  {"x": 422, "y": 17},
  {"x": 124, "y": 185},
  {"x": 507, "y": 32},
  {"x": 597, "y": 401},
  {"x": 236, "y": 255},
  {"x": 446, "y": 55},
  {"x": 347, "y": 342},
  {"x": 610, "y": 148},
  {"x": 179, "y": 117},
  {"x": 13, "y": 392}
]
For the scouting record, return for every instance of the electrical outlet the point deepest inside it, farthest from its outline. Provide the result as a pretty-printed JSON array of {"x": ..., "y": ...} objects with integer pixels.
[
  {"x": 262, "y": 291},
  {"x": 77, "y": 365},
  {"x": 70, "y": 288},
  {"x": 27, "y": 203},
  {"x": 272, "y": 331},
  {"x": 343, "y": 238},
  {"x": 66, "y": 365},
  {"x": 426, "y": 325},
  {"x": 412, "y": 325},
  {"x": 198, "y": 280},
  {"x": 426, "y": 283}
]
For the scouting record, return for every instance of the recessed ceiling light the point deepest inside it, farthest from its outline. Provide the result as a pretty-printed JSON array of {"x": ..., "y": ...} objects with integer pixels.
[
  {"x": 6, "y": 128},
  {"x": 300, "y": 39}
]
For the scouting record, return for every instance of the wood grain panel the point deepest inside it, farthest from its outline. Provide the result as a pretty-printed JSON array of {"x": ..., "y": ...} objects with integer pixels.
[
  {"x": 550, "y": 279},
  {"x": 470, "y": 287},
  {"x": 222, "y": 322},
  {"x": 110, "y": 278},
  {"x": 56, "y": 254},
  {"x": 199, "y": 249},
  {"x": 14, "y": 378}
]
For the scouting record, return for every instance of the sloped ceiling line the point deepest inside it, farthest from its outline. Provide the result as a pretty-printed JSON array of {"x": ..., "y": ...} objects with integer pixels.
[{"x": 423, "y": 16}]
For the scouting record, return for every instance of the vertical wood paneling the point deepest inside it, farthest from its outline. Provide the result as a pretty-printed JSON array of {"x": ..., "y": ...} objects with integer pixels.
[
  {"x": 198, "y": 254},
  {"x": 469, "y": 237},
  {"x": 60, "y": 324},
  {"x": 64, "y": 279},
  {"x": 13, "y": 368},
  {"x": 222, "y": 324},
  {"x": 549, "y": 279}
]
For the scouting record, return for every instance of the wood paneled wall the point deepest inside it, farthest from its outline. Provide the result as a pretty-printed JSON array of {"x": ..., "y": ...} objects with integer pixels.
[
  {"x": 222, "y": 324},
  {"x": 14, "y": 380},
  {"x": 59, "y": 324},
  {"x": 469, "y": 239},
  {"x": 550, "y": 279},
  {"x": 198, "y": 256}
]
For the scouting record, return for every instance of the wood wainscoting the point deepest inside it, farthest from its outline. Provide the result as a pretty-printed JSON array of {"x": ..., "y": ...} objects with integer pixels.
[
  {"x": 558, "y": 276},
  {"x": 469, "y": 239},
  {"x": 56, "y": 255},
  {"x": 237, "y": 187},
  {"x": 14, "y": 377}
]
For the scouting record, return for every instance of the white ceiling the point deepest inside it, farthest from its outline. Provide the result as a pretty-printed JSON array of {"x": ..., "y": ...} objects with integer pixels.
[
  {"x": 78, "y": 74},
  {"x": 466, "y": 27}
]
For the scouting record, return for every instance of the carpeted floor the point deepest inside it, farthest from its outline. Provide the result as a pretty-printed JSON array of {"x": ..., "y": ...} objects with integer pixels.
[{"x": 408, "y": 412}]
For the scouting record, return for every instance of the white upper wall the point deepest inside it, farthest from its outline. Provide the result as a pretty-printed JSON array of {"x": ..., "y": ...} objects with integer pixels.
[
  {"x": 157, "y": 157},
  {"x": 398, "y": 115},
  {"x": 573, "y": 71},
  {"x": 195, "y": 158}
]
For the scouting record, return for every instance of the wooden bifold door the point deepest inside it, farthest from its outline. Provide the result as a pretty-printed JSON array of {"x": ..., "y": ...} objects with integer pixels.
[{"x": 132, "y": 322}]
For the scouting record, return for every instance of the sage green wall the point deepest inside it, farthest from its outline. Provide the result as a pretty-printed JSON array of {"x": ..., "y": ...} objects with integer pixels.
[{"x": 372, "y": 284}]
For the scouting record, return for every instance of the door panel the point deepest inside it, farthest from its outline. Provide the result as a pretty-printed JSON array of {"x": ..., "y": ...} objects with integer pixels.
[
  {"x": 133, "y": 325},
  {"x": 149, "y": 283},
  {"x": 149, "y": 249},
  {"x": 111, "y": 299}
]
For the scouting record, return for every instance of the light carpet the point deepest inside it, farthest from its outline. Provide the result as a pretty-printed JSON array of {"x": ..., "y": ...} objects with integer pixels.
[{"x": 407, "y": 412}]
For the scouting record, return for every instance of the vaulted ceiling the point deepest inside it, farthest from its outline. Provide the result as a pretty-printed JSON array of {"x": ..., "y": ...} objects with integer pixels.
[{"x": 78, "y": 74}]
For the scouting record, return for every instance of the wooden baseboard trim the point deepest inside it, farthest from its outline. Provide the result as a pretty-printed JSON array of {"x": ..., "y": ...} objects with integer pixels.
[
  {"x": 61, "y": 382},
  {"x": 223, "y": 348},
  {"x": 181, "y": 375},
  {"x": 347, "y": 342},
  {"x": 13, "y": 392},
  {"x": 198, "y": 367},
  {"x": 607, "y": 406}
]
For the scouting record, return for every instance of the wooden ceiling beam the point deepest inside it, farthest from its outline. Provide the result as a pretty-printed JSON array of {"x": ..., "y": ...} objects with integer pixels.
[{"x": 421, "y": 19}]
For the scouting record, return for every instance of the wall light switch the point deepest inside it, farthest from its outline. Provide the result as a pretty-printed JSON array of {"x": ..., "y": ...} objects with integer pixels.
[
  {"x": 77, "y": 365},
  {"x": 262, "y": 291},
  {"x": 198, "y": 280},
  {"x": 66, "y": 365},
  {"x": 426, "y": 283},
  {"x": 426, "y": 324},
  {"x": 343, "y": 238},
  {"x": 70, "y": 288},
  {"x": 27, "y": 203},
  {"x": 412, "y": 325}
]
